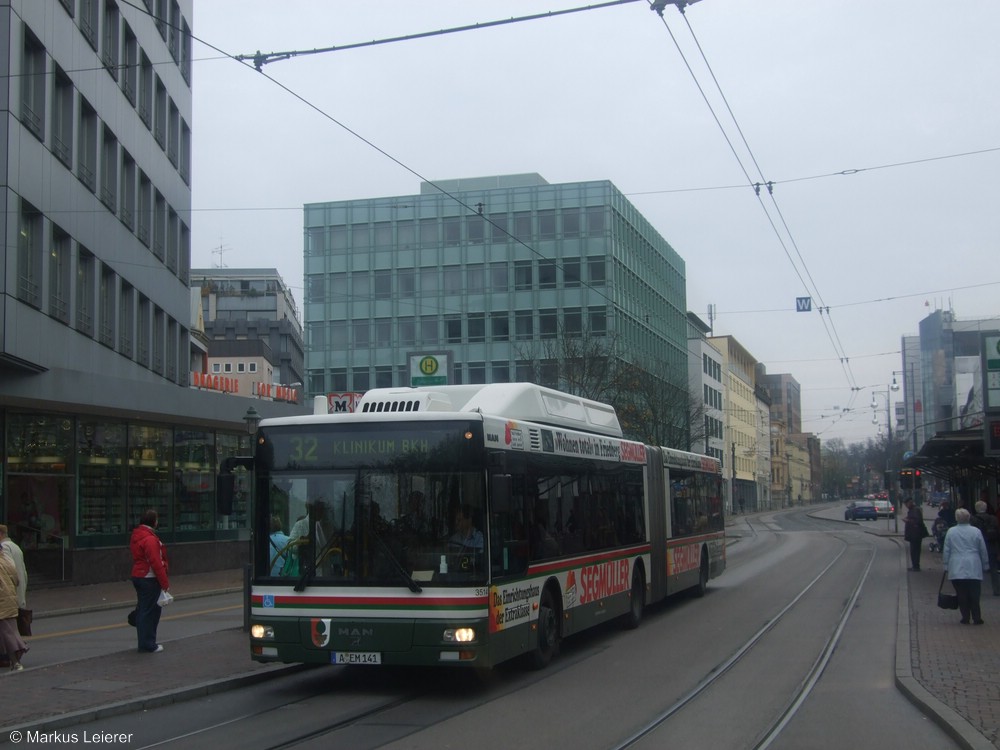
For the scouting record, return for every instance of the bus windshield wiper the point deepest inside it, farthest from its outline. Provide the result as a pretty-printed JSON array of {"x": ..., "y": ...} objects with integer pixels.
[{"x": 396, "y": 564}]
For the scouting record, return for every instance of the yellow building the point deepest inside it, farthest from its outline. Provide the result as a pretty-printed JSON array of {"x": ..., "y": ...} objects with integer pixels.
[
  {"x": 741, "y": 424},
  {"x": 799, "y": 471}
]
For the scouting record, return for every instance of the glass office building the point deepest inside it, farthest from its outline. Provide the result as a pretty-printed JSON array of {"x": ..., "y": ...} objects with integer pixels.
[
  {"x": 98, "y": 417},
  {"x": 489, "y": 274}
]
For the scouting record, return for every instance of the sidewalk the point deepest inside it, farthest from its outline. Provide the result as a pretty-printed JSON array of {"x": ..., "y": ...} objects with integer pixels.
[
  {"x": 60, "y": 695},
  {"x": 951, "y": 671}
]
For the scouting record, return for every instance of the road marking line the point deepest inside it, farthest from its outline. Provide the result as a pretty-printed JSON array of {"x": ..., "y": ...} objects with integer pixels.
[{"x": 98, "y": 628}]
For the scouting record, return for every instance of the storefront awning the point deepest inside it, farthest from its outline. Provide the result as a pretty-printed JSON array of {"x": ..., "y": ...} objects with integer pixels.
[{"x": 955, "y": 453}]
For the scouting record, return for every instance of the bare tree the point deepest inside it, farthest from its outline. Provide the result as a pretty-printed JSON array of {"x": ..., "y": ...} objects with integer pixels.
[
  {"x": 659, "y": 409},
  {"x": 653, "y": 404}
]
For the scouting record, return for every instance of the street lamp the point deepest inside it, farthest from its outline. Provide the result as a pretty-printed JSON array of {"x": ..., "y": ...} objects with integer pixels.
[
  {"x": 894, "y": 386},
  {"x": 252, "y": 418}
]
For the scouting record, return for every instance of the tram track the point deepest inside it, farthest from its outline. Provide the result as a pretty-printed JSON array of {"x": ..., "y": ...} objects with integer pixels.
[
  {"x": 291, "y": 738},
  {"x": 389, "y": 709},
  {"x": 767, "y": 736},
  {"x": 371, "y": 712}
]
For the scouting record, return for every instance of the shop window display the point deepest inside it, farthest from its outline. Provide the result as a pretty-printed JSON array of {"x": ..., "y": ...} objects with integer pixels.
[
  {"x": 40, "y": 468},
  {"x": 150, "y": 482},
  {"x": 194, "y": 479},
  {"x": 100, "y": 452}
]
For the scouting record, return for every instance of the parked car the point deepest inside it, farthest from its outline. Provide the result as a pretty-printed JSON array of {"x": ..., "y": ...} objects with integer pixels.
[
  {"x": 885, "y": 509},
  {"x": 860, "y": 510}
]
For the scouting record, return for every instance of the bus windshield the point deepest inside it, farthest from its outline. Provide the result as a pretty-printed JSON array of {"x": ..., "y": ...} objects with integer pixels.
[{"x": 376, "y": 505}]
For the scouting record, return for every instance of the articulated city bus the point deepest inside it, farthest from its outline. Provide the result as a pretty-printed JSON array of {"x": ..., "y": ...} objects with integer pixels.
[{"x": 468, "y": 525}]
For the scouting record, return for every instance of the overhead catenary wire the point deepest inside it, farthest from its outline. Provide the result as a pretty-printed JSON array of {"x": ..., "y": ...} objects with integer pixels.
[
  {"x": 810, "y": 286},
  {"x": 260, "y": 59},
  {"x": 769, "y": 182},
  {"x": 472, "y": 210},
  {"x": 550, "y": 14}
]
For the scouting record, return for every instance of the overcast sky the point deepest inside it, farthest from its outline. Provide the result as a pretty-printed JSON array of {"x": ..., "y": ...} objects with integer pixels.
[{"x": 903, "y": 91}]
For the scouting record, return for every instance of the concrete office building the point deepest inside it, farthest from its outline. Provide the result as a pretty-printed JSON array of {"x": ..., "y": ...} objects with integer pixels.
[
  {"x": 487, "y": 280},
  {"x": 248, "y": 305},
  {"x": 98, "y": 418}
]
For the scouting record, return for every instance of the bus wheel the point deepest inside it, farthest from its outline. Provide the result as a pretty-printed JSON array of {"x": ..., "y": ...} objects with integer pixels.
[
  {"x": 548, "y": 631},
  {"x": 636, "y": 600},
  {"x": 702, "y": 586}
]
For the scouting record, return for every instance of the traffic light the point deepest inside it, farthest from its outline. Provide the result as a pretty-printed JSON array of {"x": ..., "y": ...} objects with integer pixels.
[
  {"x": 906, "y": 479},
  {"x": 916, "y": 479}
]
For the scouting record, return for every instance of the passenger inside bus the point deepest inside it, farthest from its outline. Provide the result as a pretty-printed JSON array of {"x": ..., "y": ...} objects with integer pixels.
[
  {"x": 466, "y": 537},
  {"x": 543, "y": 544},
  {"x": 416, "y": 521}
]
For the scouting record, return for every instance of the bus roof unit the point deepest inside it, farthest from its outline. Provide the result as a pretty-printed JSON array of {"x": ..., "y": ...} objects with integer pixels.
[{"x": 524, "y": 401}]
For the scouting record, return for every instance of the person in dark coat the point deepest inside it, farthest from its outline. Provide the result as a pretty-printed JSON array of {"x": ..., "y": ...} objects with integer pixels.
[
  {"x": 914, "y": 532},
  {"x": 947, "y": 514},
  {"x": 987, "y": 523},
  {"x": 149, "y": 576}
]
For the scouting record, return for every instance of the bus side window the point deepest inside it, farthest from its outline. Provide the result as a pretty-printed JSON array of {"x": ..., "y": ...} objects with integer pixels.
[{"x": 509, "y": 540}]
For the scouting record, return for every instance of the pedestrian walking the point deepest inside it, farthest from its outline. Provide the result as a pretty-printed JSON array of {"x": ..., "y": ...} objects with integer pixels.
[
  {"x": 9, "y": 548},
  {"x": 988, "y": 525},
  {"x": 149, "y": 576},
  {"x": 10, "y": 639},
  {"x": 914, "y": 531},
  {"x": 965, "y": 558}
]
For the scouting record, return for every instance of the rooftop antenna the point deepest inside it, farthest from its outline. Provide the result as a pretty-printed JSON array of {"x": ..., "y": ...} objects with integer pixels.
[
  {"x": 219, "y": 251},
  {"x": 711, "y": 318}
]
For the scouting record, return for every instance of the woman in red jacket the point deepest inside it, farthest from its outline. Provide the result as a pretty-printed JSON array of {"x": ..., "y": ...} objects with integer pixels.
[{"x": 149, "y": 576}]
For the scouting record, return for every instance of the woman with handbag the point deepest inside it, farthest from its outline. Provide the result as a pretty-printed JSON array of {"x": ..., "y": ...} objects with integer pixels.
[
  {"x": 149, "y": 576},
  {"x": 965, "y": 558},
  {"x": 10, "y": 640}
]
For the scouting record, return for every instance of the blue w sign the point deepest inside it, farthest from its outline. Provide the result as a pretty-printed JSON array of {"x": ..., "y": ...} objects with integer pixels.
[{"x": 803, "y": 304}]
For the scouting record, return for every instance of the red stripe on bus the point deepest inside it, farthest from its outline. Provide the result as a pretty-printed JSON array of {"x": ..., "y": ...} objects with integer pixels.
[
  {"x": 369, "y": 601},
  {"x": 576, "y": 562}
]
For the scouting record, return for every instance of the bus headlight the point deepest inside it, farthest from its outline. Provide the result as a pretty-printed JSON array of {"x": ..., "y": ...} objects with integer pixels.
[
  {"x": 460, "y": 635},
  {"x": 262, "y": 632}
]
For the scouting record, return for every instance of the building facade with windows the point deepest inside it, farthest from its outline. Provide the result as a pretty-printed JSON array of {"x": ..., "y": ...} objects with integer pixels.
[
  {"x": 743, "y": 424},
  {"x": 499, "y": 278},
  {"x": 245, "y": 305},
  {"x": 97, "y": 413},
  {"x": 707, "y": 391},
  {"x": 942, "y": 376},
  {"x": 785, "y": 395}
]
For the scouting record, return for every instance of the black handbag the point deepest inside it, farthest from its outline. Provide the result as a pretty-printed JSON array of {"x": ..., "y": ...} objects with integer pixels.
[
  {"x": 946, "y": 601},
  {"x": 24, "y": 618}
]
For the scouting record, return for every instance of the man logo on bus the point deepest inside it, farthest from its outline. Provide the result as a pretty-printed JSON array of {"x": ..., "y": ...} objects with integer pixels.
[{"x": 320, "y": 629}]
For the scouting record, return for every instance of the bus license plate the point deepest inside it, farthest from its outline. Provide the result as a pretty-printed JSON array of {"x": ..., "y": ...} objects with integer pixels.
[{"x": 355, "y": 657}]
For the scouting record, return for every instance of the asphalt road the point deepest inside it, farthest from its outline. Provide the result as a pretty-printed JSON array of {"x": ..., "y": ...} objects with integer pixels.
[{"x": 815, "y": 599}]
